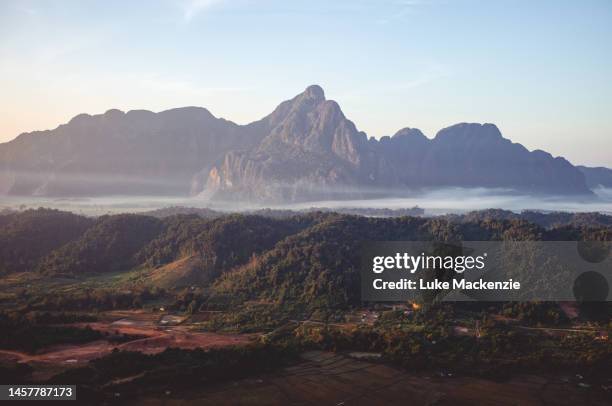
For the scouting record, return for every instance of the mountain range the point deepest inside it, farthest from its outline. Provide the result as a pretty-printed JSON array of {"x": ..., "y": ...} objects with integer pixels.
[{"x": 306, "y": 149}]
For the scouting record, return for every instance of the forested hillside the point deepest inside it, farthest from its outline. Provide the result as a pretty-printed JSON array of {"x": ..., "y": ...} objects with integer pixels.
[{"x": 302, "y": 263}]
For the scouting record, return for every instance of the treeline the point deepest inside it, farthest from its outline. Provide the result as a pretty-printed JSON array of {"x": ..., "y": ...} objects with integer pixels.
[
  {"x": 55, "y": 242},
  {"x": 425, "y": 340},
  {"x": 172, "y": 373},
  {"x": 92, "y": 300},
  {"x": 318, "y": 268},
  {"x": 299, "y": 264},
  {"x": 545, "y": 220},
  {"x": 109, "y": 246},
  {"x": 219, "y": 244},
  {"x": 32, "y": 334},
  {"x": 58, "y": 243},
  {"x": 26, "y": 237}
]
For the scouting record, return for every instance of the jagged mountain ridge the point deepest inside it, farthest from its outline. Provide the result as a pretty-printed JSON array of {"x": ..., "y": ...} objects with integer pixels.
[
  {"x": 314, "y": 152},
  {"x": 306, "y": 149}
]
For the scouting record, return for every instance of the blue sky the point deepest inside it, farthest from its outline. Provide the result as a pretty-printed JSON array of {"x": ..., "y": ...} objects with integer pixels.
[{"x": 541, "y": 71}]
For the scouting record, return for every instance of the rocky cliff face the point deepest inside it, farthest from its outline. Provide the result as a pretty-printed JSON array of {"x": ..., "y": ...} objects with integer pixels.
[
  {"x": 476, "y": 155},
  {"x": 306, "y": 149},
  {"x": 313, "y": 152}
]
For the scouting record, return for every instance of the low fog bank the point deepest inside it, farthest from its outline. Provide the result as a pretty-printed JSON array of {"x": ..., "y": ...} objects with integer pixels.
[
  {"x": 462, "y": 200},
  {"x": 434, "y": 202}
]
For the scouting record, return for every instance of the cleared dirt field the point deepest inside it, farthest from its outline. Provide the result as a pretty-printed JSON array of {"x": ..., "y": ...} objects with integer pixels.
[
  {"x": 332, "y": 379},
  {"x": 151, "y": 338}
]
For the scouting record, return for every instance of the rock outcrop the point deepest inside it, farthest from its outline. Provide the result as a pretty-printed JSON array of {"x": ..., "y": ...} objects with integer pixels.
[
  {"x": 306, "y": 149},
  {"x": 312, "y": 151}
]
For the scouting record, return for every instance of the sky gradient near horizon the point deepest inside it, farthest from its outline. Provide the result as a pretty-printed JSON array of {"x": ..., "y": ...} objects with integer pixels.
[{"x": 541, "y": 71}]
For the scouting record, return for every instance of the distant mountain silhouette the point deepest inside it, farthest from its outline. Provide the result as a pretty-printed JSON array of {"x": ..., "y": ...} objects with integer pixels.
[
  {"x": 597, "y": 177},
  {"x": 132, "y": 153},
  {"x": 306, "y": 149},
  {"x": 313, "y": 151}
]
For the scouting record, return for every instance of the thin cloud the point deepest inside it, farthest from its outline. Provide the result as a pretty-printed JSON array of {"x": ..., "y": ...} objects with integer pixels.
[
  {"x": 31, "y": 11},
  {"x": 432, "y": 73},
  {"x": 401, "y": 9},
  {"x": 192, "y": 8}
]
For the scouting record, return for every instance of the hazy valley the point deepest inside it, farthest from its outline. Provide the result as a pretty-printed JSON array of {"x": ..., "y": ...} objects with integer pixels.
[{"x": 306, "y": 150}]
